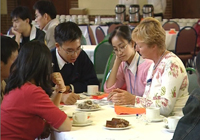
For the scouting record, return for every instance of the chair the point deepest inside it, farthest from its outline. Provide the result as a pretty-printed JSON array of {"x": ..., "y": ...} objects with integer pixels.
[
  {"x": 91, "y": 35},
  {"x": 171, "y": 24},
  {"x": 100, "y": 35},
  {"x": 108, "y": 67},
  {"x": 112, "y": 27},
  {"x": 101, "y": 55},
  {"x": 192, "y": 77},
  {"x": 83, "y": 40},
  {"x": 186, "y": 43}
]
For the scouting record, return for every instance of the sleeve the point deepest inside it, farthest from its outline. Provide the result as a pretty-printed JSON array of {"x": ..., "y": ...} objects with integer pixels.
[
  {"x": 164, "y": 4},
  {"x": 88, "y": 74},
  {"x": 41, "y": 105},
  {"x": 50, "y": 40},
  {"x": 40, "y": 35},
  {"x": 171, "y": 76},
  {"x": 120, "y": 80}
]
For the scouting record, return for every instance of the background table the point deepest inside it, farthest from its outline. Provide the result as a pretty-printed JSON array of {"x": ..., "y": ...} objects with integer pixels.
[
  {"x": 138, "y": 131},
  {"x": 170, "y": 41},
  {"x": 89, "y": 49}
]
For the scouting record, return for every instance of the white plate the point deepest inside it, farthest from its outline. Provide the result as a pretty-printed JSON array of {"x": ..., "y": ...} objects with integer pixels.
[
  {"x": 169, "y": 130},
  {"x": 158, "y": 119},
  {"x": 89, "y": 109},
  {"x": 89, "y": 122},
  {"x": 123, "y": 128},
  {"x": 128, "y": 115}
]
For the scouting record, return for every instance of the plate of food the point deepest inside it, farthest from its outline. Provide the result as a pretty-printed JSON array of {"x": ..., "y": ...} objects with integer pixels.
[
  {"x": 117, "y": 124},
  {"x": 88, "y": 105}
]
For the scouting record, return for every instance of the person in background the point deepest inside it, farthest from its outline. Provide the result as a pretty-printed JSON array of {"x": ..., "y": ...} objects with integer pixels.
[
  {"x": 189, "y": 125},
  {"x": 167, "y": 81},
  {"x": 129, "y": 67},
  {"x": 71, "y": 61},
  {"x": 26, "y": 106},
  {"x": 45, "y": 17},
  {"x": 159, "y": 7},
  {"x": 9, "y": 52},
  {"x": 22, "y": 29}
]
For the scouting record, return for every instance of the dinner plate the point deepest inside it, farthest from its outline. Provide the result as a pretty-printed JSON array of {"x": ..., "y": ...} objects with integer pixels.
[
  {"x": 158, "y": 119},
  {"x": 89, "y": 122},
  {"x": 89, "y": 109},
  {"x": 123, "y": 128}
]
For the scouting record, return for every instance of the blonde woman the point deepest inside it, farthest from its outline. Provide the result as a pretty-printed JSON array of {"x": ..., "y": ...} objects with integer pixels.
[{"x": 167, "y": 81}]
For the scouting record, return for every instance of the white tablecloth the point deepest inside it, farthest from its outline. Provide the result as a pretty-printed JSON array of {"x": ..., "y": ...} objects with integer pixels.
[
  {"x": 89, "y": 49},
  {"x": 170, "y": 41},
  {"x": 138, "y": 131}
]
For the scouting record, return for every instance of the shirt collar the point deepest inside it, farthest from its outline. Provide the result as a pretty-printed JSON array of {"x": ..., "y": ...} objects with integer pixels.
[
  {"x": 61, "y": 62},
  {"x": 51, "y": 23},
  {"x": 133, "y": 66}
]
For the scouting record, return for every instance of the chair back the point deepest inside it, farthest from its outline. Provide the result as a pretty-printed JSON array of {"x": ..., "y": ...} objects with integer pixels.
[
  {"x": 171, "y": 24},
  {"x": 83, "y": 40},
  {"x": 192, "y": 77},
  {"x": 186, "y": 41},
  {"x": 91, "y": 35},
  {"x": 100, "y": 35},
  {"x": 108, "y": 67},
  {"x": 101, "y": 55},
  {"x": 112, "y": 27}
]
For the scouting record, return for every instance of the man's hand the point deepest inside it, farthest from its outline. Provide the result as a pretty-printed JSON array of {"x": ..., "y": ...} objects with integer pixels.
[{"x": 70, "y": 98}]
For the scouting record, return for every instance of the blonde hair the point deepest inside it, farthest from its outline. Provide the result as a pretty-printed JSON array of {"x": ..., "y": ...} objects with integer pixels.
[{"x": 150, "y": 32}]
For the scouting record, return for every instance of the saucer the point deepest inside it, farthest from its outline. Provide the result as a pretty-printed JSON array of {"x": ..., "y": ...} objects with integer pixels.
[
  {"x": 89, "y": 122},
  {"x": 169, "y": 130},
  {"x": 158, "y": 119}
]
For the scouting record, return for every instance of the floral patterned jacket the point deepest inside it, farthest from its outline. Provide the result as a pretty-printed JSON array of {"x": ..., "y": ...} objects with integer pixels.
[{"x": 167, "y": 86}]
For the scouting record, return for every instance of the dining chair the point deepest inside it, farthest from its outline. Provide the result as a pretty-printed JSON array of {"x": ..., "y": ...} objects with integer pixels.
[
  {"x": 91, "y": 35},
  {"x": 83, "y": 40},
  {"x": 171, "y": 24},
  {"x": 112, "y": 27},
  {"x": 108, "y": 67},
  {"x": 192, "y": 77},
  {"x": 101, "y": 55},
  {"x": 186, "y": 43},
  {"x": 100, "y": 35}
]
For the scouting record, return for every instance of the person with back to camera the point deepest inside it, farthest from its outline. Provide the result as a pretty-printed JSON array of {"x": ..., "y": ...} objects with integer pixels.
[
  {"x": 26, "y": 106},
  {"x": 22, "y": 28},
  {"x": 129, "y": 68},
  {"x": 71, "y": 61},
  {"x": 188, "y": 127},
  {"x": 45, "y": 17}
]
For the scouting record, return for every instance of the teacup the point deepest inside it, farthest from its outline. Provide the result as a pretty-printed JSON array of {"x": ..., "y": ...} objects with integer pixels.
[
  {"x": 172, "y": 122},
  {"x": 92, "y": 89},
  {"x": 80, "y": 117},
  {"x": 152, "y": 113}
]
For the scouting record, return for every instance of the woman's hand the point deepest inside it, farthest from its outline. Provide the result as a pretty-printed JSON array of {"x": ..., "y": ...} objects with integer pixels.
[
  {"x": 58, "y": 80},
  {"x": 121, "y": 97}
]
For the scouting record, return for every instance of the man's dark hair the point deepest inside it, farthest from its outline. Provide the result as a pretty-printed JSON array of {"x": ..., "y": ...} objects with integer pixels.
[
  {"x": 32, "y": 63},
  {"x": 8, "y": 46},
  {"x": 45, "y": 6},
  {"x": 22, "y": 13},
  {"x": 67, "y": 31}
]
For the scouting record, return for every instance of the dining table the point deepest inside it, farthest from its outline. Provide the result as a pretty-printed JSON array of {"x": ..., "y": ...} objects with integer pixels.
[
  {"x": 170, "y": 40},
  {"x": 139, "y": 128},
  {"x": 89, "y": 49}
]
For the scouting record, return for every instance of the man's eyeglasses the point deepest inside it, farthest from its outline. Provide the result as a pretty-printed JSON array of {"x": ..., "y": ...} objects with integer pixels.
[
  {"x": 121, "y": 49},
  {"x": 71, "y": 52}
]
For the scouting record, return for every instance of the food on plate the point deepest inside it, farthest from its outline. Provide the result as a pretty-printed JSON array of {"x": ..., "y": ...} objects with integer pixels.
[
  {"x": 88, "y": 105},
  {"x": 117, "y": 123}
]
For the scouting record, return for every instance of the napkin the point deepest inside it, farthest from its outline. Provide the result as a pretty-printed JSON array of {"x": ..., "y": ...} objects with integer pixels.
[
  {"x": 172, "y": 32},
  {"x": 99, "y": 97},
  {"x": 122, "y": 110}
]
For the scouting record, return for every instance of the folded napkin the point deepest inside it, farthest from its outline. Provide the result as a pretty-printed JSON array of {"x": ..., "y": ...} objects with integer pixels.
[
  {"x": 172, "y": 32},
  {"x": 99, "y": 97},
  {"x": 122, "y": 110}
]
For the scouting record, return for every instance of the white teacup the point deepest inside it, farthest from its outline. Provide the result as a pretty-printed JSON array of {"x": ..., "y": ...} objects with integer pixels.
[
  {"x": 172, "y": 122},
  {"x": 92, "y": 89},
  {"x": 80, "y": 117},
  {"x": 152, "y": 113}
]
